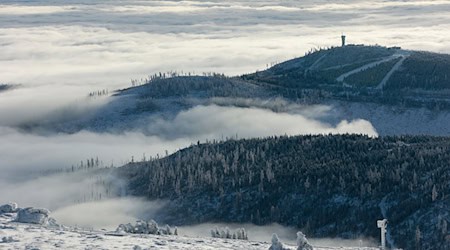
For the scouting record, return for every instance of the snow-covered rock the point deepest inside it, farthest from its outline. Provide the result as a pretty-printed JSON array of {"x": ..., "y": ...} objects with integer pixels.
[
  {"x": 9, "y": 208},
  {"x": 33, "y": 215}
]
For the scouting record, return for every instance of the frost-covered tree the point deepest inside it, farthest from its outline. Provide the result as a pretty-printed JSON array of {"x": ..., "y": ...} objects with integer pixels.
[
  {"x": 215, "y": 233},
  {"x": 276, "y": 243},
  {"x": 434, "y": 193},
  {"x": 143, "y": 227},
  {"x": 418, "y": 239},
  {"x": 152, "y": 227},
  {"x": 168, "y": 230},
  {"x": 225, "y": 233},
  {"x": 242, "y": 234},
  {"x": 302, "y": 242}
]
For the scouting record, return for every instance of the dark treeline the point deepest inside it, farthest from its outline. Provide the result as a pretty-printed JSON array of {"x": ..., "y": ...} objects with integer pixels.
[
  {"x": 98, "y": 93},
  {"x": 328, "y": 186}
]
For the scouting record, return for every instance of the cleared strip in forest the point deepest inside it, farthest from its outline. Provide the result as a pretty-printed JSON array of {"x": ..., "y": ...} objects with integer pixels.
[
  {"x": 389, "y": 74},
  {"x": 314, "y": 65},
  {"x": 342, "y": 77}
]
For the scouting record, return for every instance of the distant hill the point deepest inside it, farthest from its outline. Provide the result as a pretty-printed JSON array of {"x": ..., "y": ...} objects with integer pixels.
[
  {"x": 327, "y": 186},
  {"x": 324, "y": 66},
  {"x": 368, "y": 74},
  {"x": 398, "y": 91},
  {"x": 5, "y": 87},
  {"x": 361, "y": 66}
]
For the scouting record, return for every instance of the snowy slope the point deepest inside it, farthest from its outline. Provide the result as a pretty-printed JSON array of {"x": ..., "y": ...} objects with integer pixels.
[{"x": 30, "y": 236}]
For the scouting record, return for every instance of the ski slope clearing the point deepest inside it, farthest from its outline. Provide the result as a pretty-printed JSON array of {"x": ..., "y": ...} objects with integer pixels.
[
  {"x": 392, "y": 71},
  {"x": 342, "y": 77}
]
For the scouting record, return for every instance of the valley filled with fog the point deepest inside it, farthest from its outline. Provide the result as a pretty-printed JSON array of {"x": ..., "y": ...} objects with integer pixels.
[{"x": 54, "y": 53}]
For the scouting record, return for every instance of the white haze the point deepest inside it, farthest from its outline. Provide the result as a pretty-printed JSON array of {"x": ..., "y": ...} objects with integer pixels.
[
  {"x": 26, "y": 104},
  {"x": 24, "y": 154},
  {"x": 208, "y": 122},
  {"x": 107, "y": 214}
]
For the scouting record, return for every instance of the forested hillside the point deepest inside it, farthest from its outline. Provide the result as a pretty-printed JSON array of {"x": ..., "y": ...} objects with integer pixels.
[
  {"x": 327, "y": 186},
  {"x": 366, "y": 74},
  {"x": 423, "y": 70},
  {"x": 195, "y": 86}
]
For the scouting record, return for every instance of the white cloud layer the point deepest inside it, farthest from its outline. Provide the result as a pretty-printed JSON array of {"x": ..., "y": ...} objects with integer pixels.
[
  {"x": 106, "y": 43},
  {"x": 214, "y": 122},
  {"x": 22, "y": 154},
  {"x": 26, "y": 152},
  {"x": 107, "y": 214}
]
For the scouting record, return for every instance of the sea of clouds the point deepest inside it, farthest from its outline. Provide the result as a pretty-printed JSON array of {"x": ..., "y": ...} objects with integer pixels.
[{"x": 106, "y": 43}]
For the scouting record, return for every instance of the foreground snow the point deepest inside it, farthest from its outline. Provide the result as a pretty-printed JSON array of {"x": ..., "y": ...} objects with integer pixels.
[
  {"x": 31, "y": 236},
  {"x": 15, "y": 235}
]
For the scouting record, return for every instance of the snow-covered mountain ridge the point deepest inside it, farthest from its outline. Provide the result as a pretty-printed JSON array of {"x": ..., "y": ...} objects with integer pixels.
[{"x": 397, "y": 91}]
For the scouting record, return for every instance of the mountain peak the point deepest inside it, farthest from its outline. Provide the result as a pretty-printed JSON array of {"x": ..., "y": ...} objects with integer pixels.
[{"x": 363, "y": 67}]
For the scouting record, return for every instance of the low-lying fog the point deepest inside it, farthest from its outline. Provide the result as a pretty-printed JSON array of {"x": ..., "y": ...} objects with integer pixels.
[
  {"x": 110, "y": 213},
  {"x": 28, "y": 160},
  {"x": 37, "y": 169}
]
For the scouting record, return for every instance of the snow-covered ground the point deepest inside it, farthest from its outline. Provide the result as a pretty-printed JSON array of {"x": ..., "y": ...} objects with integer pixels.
[{"x": 15, "y": 235}]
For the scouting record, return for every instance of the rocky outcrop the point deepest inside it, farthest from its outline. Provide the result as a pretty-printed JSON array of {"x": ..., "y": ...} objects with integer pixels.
[
  {"x": 27, "y": 215},
  {"x": 9, "y": 208},
  {"x": 33, "y": 215}
]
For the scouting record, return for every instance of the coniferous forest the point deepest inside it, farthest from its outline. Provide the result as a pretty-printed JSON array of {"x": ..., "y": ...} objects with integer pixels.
[{"x": 326, "y": 185}]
